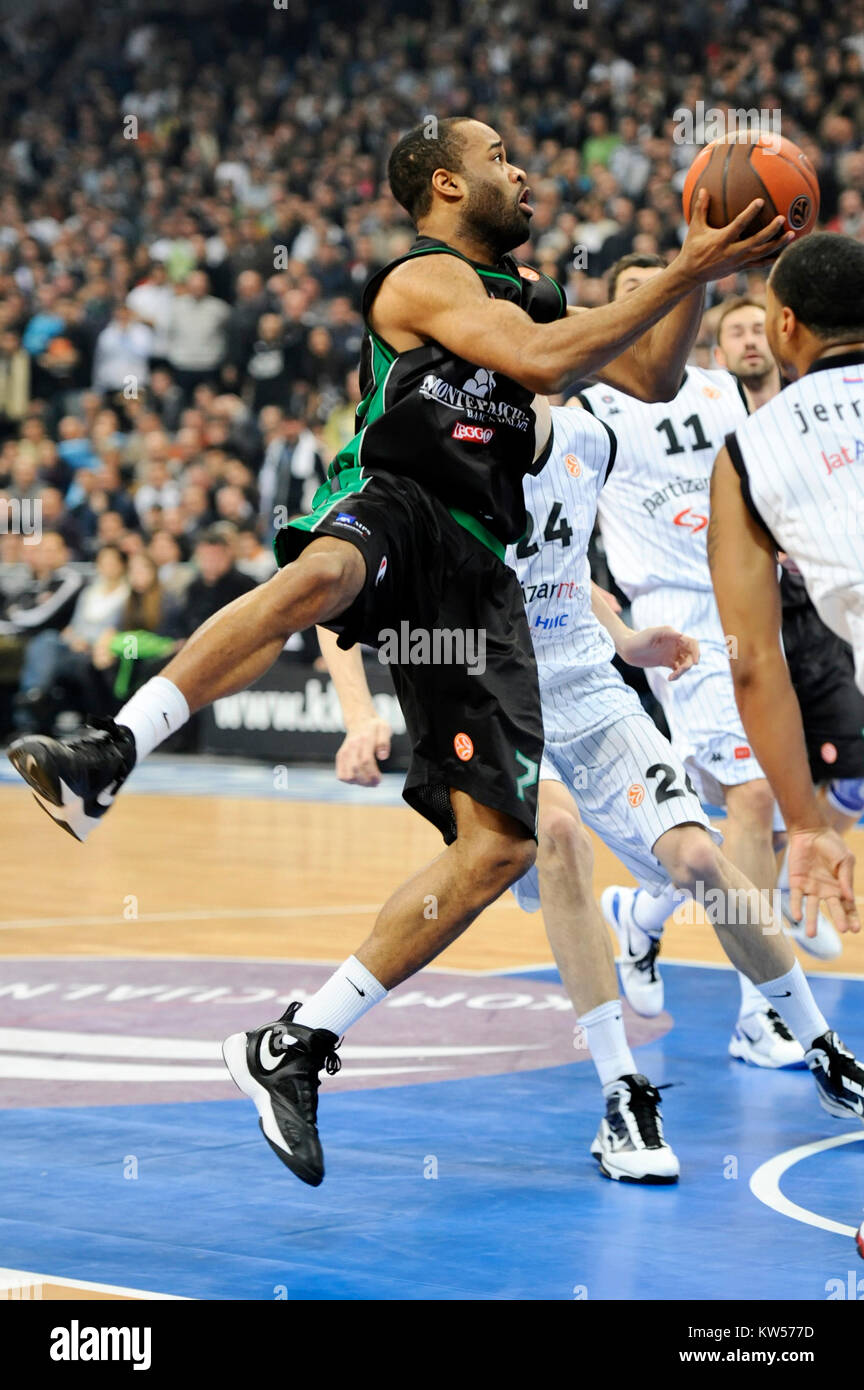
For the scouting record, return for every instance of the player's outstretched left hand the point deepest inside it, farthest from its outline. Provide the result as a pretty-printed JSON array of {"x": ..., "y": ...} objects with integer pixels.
[
  {"x": 661, "y": 646},
  {"x": 821, "y": 867}
]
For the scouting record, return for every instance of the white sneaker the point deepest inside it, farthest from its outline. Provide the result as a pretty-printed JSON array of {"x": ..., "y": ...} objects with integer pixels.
[
  {"x": 641, "y": 981},
  {"x": 763, "y": 1040},
  {"x": 825, "y": 945},
  {"x": 629, "y": 1145}
]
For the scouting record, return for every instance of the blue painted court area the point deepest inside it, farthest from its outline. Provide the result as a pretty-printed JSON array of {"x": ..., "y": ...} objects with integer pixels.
[{"x": 471, "y": 1189}]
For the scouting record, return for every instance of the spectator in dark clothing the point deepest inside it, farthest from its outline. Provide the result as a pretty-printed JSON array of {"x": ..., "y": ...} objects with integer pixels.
[
  {"x": 267, "y": 371},
  {"x": 217, "y": 582}
]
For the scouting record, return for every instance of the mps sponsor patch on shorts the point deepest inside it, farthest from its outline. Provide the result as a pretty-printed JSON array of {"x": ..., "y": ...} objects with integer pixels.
[
  {"x": 351, "y": 522},
  {"x": 742, "y": 751},
  {"x": 472, "y": 434}
]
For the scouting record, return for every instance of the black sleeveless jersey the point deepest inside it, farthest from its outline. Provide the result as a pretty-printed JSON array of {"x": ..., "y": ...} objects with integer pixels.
[{"x": 465, "y": 433}]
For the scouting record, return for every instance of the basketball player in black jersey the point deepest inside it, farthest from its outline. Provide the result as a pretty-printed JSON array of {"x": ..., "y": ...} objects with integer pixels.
[{"x": 410, "y": 528}]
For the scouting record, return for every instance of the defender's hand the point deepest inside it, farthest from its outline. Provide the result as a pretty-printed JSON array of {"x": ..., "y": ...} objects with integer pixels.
[
  {"x": 710, "y": 253},
  {"x": 364, "y": 745},
  {"x": 821, "y": 866},
  {"x": 661, "y": 646}
]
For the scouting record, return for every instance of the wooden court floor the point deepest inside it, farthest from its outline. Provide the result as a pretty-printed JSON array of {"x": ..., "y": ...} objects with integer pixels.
[{"x": 227, "y": 876}]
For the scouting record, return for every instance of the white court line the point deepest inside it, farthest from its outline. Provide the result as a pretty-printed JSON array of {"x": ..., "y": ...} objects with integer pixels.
[
  {"x": 765, "y": 1184},
  {"x": 25, "y": 1278},
  {"x": 202, "y": 914}
]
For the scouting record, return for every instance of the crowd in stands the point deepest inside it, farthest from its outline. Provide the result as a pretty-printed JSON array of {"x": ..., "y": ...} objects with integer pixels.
[{"x": 190, "y": 204}]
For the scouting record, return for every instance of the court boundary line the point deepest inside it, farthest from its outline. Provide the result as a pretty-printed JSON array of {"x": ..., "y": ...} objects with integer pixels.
[{"x": 765, "y": 1183}]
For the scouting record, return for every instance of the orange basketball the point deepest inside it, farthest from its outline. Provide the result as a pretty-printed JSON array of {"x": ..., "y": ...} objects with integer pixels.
[{"x": 741, "y": 167}]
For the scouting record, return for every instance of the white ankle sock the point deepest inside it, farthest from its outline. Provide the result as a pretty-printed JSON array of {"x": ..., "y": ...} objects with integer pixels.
[
  {"x": 349, "y": 993},
  {"x": 649, "y": 913},
  {"x": 792, "y": 997},
  {"x": 155, "y": 711},
  {"x": 607, "y": 1041},
  {"x": 752, "y": 998}
]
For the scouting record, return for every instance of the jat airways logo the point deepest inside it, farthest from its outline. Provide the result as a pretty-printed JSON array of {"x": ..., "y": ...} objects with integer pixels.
[
  {"x": 77, "y": 1343},
  {"x": 472, "y": 434}
]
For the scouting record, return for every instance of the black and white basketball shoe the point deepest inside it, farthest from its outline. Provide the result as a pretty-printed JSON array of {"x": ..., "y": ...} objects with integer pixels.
[
  {"x": 839, "y": 1076},
  {"x": 278, "y": 1067},
  {"x": 629, "y": 1145},
  {"x": 76, "y": 779}
]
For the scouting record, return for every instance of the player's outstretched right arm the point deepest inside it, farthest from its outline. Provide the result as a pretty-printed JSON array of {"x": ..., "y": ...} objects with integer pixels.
[{"x": 439, "y": 298}]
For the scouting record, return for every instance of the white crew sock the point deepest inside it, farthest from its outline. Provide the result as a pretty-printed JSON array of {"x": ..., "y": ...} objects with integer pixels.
[
  {"x": 649, "y": 914},
  {"x": 752, "y": 998},
  {"x": 792, "y": 997},
  {"x": 155, "y": 711},
  {"x": 349, "y": 993},
  {"x": 607, "y": 1041}
]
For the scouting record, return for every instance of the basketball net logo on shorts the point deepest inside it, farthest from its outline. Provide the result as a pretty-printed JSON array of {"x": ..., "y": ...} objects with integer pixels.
[{"x": 464, "y": 747}]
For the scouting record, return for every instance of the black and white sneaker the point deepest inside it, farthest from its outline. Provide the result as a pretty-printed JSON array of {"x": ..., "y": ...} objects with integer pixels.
[
  {"x": 839, "y": 1076},
  {"x": 629, "y": 1145},
  {"x": 277, "y": 1067},
  {"x": 75, "y": 780}
]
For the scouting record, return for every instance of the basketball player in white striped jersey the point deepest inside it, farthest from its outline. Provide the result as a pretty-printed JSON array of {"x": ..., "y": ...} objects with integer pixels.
[
  {"x": 654, "y": 519},
  {"x": 604, "y": 753},
  {"x": 790, "y": 478}
]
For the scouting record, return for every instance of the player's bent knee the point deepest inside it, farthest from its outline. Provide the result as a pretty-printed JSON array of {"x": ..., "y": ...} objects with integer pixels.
[
  {"x": 689, "y": 856},
  {"x": 565, "y": 844},
  {"x": 496, "y": 863},
  {"x": 752, "y": 804},
  {"x": 329, "y": 577}
]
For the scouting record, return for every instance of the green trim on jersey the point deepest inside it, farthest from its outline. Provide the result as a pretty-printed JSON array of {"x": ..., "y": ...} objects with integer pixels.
[
  {"x": 478, "y": 530},
  {"x": 560, "y": 292},
  {"x": 325, "y": 499}
]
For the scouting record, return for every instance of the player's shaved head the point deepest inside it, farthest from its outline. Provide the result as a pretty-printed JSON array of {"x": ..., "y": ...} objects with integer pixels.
[{"x": 821, "y": 279}]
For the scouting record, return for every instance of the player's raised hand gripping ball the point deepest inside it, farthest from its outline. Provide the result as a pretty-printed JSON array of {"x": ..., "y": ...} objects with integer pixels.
[{"x": 740, "y": 167}]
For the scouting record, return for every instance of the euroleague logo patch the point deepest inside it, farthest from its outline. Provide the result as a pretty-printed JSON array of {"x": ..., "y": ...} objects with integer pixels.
[
  {"x": 636, "y": 794},
  {"x": 464, "y": 747},
  {"x": 799, "y": 211},
  {"x": 528, "y": 273},
  {"x": 573, "y": 466},
  {"x": 472, "y": 434}
]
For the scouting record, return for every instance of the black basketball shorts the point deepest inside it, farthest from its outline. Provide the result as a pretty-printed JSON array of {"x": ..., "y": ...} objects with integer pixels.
[{"x": 446, "y": 614}]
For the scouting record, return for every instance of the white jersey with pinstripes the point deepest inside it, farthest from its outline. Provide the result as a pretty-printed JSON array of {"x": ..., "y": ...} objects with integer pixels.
[
  {"x": 654, "y": 522},
  {"x": 551, "y": 560},
  {"x": 801, "y": 462},
  {"x": 629, "y": 785},
  {"x": 654, "y": 510}
]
